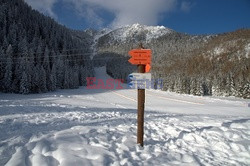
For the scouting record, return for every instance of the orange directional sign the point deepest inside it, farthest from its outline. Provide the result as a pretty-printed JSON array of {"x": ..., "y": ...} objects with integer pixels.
[{"x": 140, "y": 56}]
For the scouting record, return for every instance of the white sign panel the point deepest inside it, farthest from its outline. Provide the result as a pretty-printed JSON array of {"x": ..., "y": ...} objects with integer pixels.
[{"x": 140, "y": 76}]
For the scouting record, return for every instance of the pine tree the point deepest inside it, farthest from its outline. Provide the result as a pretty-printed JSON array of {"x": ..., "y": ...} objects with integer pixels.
[
  {"x": 246, "y": 91},
  {"x": 46, "y": 66},
  {"x": 46, "y": 62},
  {"x": 59, "y": 72},
  {"x": 2, "y": 67},
  {"x": 43, "y": 81},
  {"x": 36, "y": 79},
  {"x": 66, "y": 81},
  {"x": 82, "y": 75},
  {"x": 7, "y": 80},
  {"x": 38, "y": 54},
  {"x": 53, "y": 80},
  {"x": 24, "y": 84}
]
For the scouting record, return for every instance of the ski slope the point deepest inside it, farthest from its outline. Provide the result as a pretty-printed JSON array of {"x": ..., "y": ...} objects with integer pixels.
[{"x": 98, "y": 127}]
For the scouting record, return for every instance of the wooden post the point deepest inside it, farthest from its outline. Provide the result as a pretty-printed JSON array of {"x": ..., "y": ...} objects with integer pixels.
[{"x": 140, "y": 108}]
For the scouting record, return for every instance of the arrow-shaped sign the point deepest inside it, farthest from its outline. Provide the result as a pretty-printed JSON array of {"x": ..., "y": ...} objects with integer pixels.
[{"x": 140, "y": 56}]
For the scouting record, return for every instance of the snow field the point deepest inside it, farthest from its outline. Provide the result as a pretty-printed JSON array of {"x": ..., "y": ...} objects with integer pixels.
[
  {"x": 98, "y": 127},
  {"x": 109, "y": 138}
]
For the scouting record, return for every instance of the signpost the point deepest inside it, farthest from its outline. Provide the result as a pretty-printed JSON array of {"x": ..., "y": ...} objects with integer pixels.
[{"x": 142, "y": 58}]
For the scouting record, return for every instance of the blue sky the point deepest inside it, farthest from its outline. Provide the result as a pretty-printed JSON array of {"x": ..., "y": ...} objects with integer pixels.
[{"x": 189, "y": 16}]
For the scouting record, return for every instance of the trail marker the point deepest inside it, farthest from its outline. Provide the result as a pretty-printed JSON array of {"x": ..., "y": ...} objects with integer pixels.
[
  {"x": 140, "y": 80},
  {"x": 142, "y": 58}
]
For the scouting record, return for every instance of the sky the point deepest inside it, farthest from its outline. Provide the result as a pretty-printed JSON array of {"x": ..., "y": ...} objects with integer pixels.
[{"x": 187, "y": 16}]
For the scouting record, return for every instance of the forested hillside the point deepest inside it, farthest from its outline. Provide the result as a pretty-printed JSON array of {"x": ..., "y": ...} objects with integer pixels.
[
  {"x": 190, "y": 64},
  {"x": 37, "y": 54},
  {"x": 220, "y": 67}
]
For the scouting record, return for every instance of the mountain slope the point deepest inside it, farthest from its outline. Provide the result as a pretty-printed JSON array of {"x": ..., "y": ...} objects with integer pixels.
[
  {"x": 37, "y": 54},
  {"x": 191, "y": 64},
  {"x": 137, "y": 32}
]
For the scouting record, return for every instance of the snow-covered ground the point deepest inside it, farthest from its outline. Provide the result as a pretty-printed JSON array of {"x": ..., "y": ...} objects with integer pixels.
[{"x": 98, "y": 127}]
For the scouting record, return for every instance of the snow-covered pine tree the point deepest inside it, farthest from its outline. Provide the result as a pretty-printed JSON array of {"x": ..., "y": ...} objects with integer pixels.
[
  {"x": 53, "y": 80},
  {"x": 66, "y": 81},
  {"x": 2, "y": 67},
  {"x": 60, "y": 72},
  {"x": 8, "y": 75},
  {"x": 24, "y": 84},
  {"x": 43, "y": 81},
  {"x": 82, "y": 75}
]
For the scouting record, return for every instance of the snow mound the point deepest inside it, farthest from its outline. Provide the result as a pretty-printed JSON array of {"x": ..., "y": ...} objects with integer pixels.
[{"x": 169, "y": 140}]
